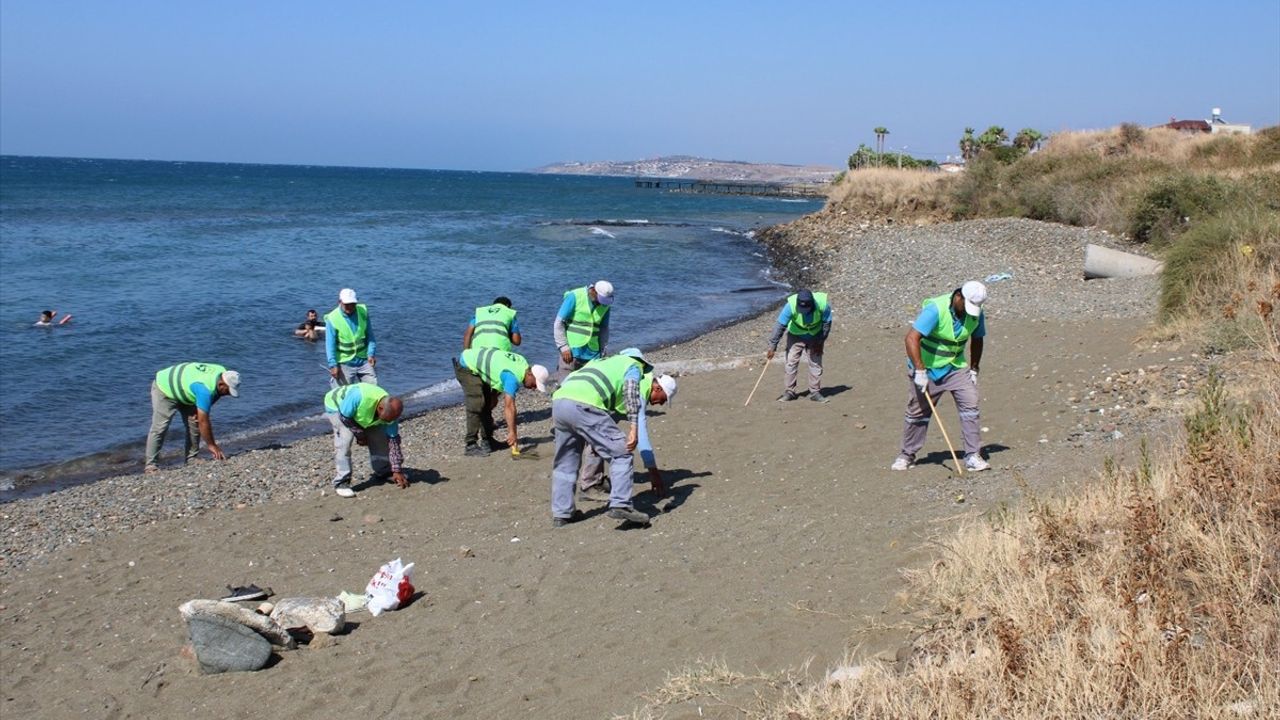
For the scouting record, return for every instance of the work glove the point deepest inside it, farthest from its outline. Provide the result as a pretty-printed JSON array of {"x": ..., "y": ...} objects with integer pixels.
[
  {"x": 973, "y": 375},
  {"x": 921, "y": 380}
]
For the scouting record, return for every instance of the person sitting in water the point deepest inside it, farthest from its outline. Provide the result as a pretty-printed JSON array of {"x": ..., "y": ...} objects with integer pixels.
[
  {"x": 310, "y": 328},
  {"x": 47, "y": 316}
]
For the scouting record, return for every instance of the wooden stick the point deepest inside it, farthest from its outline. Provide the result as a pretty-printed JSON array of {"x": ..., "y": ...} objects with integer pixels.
[
  {"x": 757, "y": 387},
  {"x": 934, "y": 409}
]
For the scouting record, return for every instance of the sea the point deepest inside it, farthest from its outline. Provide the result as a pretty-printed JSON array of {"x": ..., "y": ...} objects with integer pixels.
[{"x": 165, "y": 262}]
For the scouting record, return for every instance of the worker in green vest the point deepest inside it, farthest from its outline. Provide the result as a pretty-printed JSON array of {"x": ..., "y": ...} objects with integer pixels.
[
  {"x": 188, "y": 389},
  {"x": 348, "y": 341},
  {"x": 581, "y": 332},
  {"x": 936, "y": 365},
  {"x": 581, "y": 412},
  {"x": 486, "y": 374},
  {"x": 366, "y": 414},
  {"x": 806, "y": 319},
  {"x": 493, "y": 326}
]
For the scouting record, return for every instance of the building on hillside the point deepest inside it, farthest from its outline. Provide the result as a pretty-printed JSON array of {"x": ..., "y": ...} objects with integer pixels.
[
  {"x": 1215, "y": 125},
  {"x": 1191, "y": 127}
]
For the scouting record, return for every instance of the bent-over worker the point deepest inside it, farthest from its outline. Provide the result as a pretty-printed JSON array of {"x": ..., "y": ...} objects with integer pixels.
[
  {"x": 806, "y": 319},
  {"x": 188, "y": 389},
  {"x": 485, "y": 374},
  {"x": 366, "y": 414}
]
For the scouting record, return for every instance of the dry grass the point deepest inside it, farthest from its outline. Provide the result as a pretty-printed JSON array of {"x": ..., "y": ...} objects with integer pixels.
[{"x": 889, "y": 192}]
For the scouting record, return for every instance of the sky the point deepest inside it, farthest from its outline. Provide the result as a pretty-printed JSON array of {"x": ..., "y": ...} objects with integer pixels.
[{"x": 514, "y": 85}]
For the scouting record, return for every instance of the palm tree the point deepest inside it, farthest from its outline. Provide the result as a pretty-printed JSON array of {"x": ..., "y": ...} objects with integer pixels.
[
  {"x": 880, "y": 132},
  {"x": 968, "y": 145},
  {"x": 994, "y": 136},
  {"x": 1028, "y": 139}
]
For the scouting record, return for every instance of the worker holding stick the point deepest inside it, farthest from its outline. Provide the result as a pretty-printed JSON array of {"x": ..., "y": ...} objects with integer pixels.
[{"x": 936, "y": 365}]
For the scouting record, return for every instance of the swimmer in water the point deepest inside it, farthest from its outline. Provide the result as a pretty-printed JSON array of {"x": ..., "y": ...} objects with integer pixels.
[{"x": 47, "y": 316}]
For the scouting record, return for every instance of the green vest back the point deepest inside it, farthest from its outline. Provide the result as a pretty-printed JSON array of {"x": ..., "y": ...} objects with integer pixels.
[
  {"x": 367, "y": 411},
  {"x": 944, "y": 346},
  {"x": 583, "y": 327},
  {"x": 175, "y": 381},
  {"x": 488, "y": 364},
  {"x": 493, "y": 327},
  {"x": 602, "y": 384},
  {"x": 351, "y": 344},
  {"x": 797, "y": 324}
]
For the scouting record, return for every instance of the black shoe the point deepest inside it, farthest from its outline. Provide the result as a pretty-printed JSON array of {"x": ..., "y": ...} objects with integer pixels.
[
  {"x": 787, "y": 396},
  {"x": 561, "y": 522},
  {"x": 497, "y": 446},
  {"x": 817, "y": 397},
  {"x": 474, "y": 450},
  {"x": 628, "y": 514}
]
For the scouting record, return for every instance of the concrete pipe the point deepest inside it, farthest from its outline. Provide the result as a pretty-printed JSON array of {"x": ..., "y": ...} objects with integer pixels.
[{"x": 1104, "y": 262}]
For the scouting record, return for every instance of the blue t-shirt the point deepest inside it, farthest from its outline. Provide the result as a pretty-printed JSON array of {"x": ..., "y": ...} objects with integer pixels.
[
  {"x": 331, "y": 340},
  {"x": 204, "y": 397},
  {"x": 566, "y": 314},
  {"x": 925, "y": 323},
  {"x": 351, "y": 401},
  {"x": 784, "y": 318},
  {"x": 510, "y": 383}
]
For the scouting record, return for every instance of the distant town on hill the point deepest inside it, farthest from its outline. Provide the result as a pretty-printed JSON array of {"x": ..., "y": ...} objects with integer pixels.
[{"x": 696, "y": 168}]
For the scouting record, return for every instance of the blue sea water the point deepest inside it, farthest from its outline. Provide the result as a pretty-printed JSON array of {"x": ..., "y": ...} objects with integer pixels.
[{"x": 162, "y": 262}]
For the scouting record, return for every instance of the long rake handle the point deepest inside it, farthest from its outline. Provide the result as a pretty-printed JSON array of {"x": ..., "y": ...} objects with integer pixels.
[
  {"x": 934, "y": 409},
  {"x": 757, "y": 387}
]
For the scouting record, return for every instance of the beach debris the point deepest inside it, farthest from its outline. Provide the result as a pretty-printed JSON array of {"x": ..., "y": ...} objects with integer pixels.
[
  {"x": 845, "y": 674},
  {"x": 998, "y": 277},
  {"x": 371, "y": 519},
  {"x": 261, "y": 624},
  {"x": 390, "y": 587},
  {"x": 466, "y": 552},
  {"x": 1105, "y": 262},
  {"x": 245, "y": 592},
  {"x": 266, "y": 608},
  {"x": 352, "y": 602},
  {"x": 221, "y": 645},
  {"x": 319, "y": 615}
]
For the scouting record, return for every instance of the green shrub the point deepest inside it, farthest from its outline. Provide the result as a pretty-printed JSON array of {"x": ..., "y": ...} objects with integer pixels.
[
  {"x": 1172, "y": 203},
  {"x": 1196, "y": 262}
]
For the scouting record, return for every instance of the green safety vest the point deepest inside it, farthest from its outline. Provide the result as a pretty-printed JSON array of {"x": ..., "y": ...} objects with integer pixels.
[
  {"x": 351, "y": 344},
  {"x": 175, "y": 381},
  {"x": 488, "y": 364},
  {"x": 797, "y": 325},
  {"x": 944, "y": 346},
  {"x": 602, "y": 384},
  {"x": 367, "y": 411},
  {"x": 493, "y": 327},
  {"x": 583, "y": 327}
]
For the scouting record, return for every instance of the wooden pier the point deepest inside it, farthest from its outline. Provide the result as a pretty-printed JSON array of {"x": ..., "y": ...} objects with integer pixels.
[{"x": 723, "y": 187}]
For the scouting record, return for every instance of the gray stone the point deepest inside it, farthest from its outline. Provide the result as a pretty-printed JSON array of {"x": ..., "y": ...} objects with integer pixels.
[
  {"x": 261, "y": 624},
  {"x": 319, "y": 615},
  {"x": 223, "y": 645}
]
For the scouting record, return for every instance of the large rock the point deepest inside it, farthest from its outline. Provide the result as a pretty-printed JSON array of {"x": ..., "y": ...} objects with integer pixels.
[
  {"x": 261, "y": 624},
  {"x": 223, "y": 645},
  {"x": 319, "y": 615}
]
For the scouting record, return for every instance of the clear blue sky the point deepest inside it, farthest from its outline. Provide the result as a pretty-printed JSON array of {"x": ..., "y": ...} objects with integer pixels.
[{"x": 512, "y": 85}]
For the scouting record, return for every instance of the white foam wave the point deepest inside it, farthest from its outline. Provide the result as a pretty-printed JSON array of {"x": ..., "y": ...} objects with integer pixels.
[
  {"x": 602, "y": 231},
  {"x": 728, "y": 231},
  {"x": 275, "y": 427},
  {"x": 432, "y": 390}
]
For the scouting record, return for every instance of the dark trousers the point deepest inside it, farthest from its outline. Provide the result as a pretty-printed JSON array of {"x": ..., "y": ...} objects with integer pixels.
[{"x": 479, "y": 400}]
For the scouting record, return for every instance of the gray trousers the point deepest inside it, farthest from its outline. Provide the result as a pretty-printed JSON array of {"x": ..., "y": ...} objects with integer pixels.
[
  {"x": 578, "y": 426},
  {"x": 162, "y": 412},
  {"x": 591, "y": 473},
  {"x": 916, "y": 427},
  {"x": 349, "y": 374},
  {"x": 796, "y": 347},
  {"x": 376, "y": 437}
]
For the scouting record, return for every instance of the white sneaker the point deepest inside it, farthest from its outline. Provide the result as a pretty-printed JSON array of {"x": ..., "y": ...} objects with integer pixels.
[
  {"x": 975, "y": 463},
  {"x": 901, "y": 464},
  {"x": 344, "y": 490}
]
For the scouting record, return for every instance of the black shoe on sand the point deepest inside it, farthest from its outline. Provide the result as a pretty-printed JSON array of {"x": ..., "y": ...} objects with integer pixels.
[
  {"x": 627, "y": 514},
  {"x": 558, "y": 522},
  {"x": 246, "y": 592},
  {"x": 474, "y": 450}
]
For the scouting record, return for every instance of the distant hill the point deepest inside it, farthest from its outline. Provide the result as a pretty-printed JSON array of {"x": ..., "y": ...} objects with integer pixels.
[{"x": 687, "y": 166}]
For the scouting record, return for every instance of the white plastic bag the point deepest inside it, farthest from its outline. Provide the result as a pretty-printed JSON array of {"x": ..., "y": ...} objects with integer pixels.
[{"x": 390, "y": 587}]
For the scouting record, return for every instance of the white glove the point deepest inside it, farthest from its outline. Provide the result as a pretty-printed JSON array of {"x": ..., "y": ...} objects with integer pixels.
[
  {"x": 921, "y": 380},
  {"x": 973, "y": 375}
]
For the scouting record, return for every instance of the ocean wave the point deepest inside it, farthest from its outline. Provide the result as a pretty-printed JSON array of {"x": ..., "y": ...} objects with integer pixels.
[
  {"x": 616, "y": 223},
  {"x": 433, "y": 390},
  {"x": 602, "y": 231},
  {"x": 730, "y": 231}
]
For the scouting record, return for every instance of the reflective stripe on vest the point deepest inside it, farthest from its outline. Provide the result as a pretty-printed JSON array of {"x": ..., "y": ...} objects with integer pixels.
[
  {"x": 367, "y": 411},
  {"x": 493, "y": 327},
  {"x": 944, "y": 347},
  {"x": 797, "y": 325},
  {"x": 488, "y": 364},
  {"x": 350, "y": 344},
  {"x": 601, "y": 384},
  {"x": 175, "y": 381},
  {"x": 582, "y": 330}
]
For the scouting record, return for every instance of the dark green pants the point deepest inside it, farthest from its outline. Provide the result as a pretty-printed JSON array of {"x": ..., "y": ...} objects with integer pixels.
[{"x": 479, "y": 400}]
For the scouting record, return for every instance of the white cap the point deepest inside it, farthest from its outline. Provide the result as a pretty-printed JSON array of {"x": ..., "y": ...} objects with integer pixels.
[
  {"x": 540, "y": 376},
  {"x": 604, "y": 292},
  {"x": 668, "y": 384},
  {"x": 232, "y": 379},
  {"x": 347, "y": 296},
  {"x": 975, "y": 293}
]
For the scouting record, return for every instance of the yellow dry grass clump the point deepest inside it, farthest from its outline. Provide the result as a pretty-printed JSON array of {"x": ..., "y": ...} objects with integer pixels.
[{"x": 890, "y": 192}]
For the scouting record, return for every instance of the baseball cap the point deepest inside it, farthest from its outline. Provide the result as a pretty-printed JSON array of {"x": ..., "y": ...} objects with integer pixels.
[
  {"x": 540, "y": 376},
  {"x": 668, "y": 384},
  {"x": 975, "y": 293},
  {"x": 604, "y": 292},
  {"x": 632, "y": 352},
  {"x": 804, "y": 300},
  {"x": 347, "y": 295},
  {"x": 232, "y": 379}
]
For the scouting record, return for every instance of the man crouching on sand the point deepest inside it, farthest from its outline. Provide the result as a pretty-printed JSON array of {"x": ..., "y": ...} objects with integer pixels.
[
  {"x": 366, "y": 414},
  {"x": 580, "y": 412}
]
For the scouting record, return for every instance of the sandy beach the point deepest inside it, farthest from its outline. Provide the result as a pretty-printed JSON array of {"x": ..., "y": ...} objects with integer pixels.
[{"x": 780, "y": 542}]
